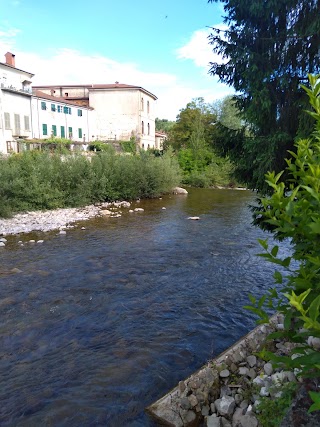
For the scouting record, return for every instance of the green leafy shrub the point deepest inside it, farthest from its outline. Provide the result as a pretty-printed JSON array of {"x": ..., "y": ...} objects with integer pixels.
[
  {"x": 293, "y": 211},
  {"x": 38, "y": 180}
]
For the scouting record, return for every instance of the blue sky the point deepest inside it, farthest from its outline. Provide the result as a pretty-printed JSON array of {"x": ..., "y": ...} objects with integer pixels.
[{"x": 161, "y": 46}]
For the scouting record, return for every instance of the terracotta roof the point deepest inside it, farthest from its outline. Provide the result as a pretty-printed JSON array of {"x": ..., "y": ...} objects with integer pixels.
[
  {"x": 18, "y": 69},
  {"x": 159, "y": 133},
  {"x": 99, "y": 86},
  {"x": 40, "y": 94}
]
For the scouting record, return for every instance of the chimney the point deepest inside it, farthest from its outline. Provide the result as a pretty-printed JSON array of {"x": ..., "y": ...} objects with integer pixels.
[{"x": 10, "y": 59}]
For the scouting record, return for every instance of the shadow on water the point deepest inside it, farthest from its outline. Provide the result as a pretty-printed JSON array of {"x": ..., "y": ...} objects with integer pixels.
[{"x": 103, "y": 321}]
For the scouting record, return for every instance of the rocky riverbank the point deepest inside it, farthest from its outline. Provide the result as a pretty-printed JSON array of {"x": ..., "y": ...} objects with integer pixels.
[
  {"x": 62, "y": 219},
  {"x": 231, "y": 391}
]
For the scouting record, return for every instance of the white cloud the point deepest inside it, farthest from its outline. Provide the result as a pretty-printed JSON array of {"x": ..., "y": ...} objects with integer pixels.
[
  {"x": 7, "y": 38},
  {"x": 199, "y": 50},
  {"x": 67, "y": 66}
]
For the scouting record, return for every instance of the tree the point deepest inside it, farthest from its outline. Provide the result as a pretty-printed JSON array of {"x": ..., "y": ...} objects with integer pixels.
[
  {"x": 228, "y": 115},
  {"x": 195, "y": 116},
  {"x": 268, "y": 49},
  {"x": 164, "y": 125}
]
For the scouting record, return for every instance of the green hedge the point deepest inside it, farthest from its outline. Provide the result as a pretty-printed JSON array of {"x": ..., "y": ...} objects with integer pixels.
[{"x": 39, "y": 180}]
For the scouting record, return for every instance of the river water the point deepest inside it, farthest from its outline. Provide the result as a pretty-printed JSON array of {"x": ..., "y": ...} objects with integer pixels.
[{"x": 101, "y": 322}]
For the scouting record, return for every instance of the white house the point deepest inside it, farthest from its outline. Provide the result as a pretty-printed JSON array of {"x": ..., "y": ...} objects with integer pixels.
[
  {"x": 81, "y": 113},
  {"x": 15, "y": 104},
  {"x": 121, "y": 111},
  {"x": 56, "y": 117}
]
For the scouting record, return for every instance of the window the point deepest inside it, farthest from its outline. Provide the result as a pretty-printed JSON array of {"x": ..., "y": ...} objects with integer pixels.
[
  {"x": 80, "y": 133},
  {"x": 80, "y": 113},
  {"x": 54, "y": 130},
  {"x": 9, "y": 147},
  {"x": 44, "y": 129},
  {"x": 53, "y": 107},
  {"x": 142, "y": 104},
  {"x": 26, "y": 123},
  {"x": 17, "y": 124},
  {"x": 148, "y": 107},
  {"x": 67, "y": 110},
  {"x": 142, "y": 127},
  {"x": 59, "y": 109},
  {"x": 66, "y": 94},
  {"x": 7, "y": 121},
  {"x": 62, "y": 132},
  {"x": 70, "y": 132},
  {"x": 148, "y": 128},
  {"x": 43, "y": 105}
]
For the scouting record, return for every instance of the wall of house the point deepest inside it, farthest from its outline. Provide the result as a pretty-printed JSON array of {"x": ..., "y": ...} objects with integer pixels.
[
  {"x": 15, "y": 107},
  {"x": 147, "y": 116},
  {"x": 61, "y": 91},
  {"x": 120, "y": 113},
  {"x": 62, "y": 120}
]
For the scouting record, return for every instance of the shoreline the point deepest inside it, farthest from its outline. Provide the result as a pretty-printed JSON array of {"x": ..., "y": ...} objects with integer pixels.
[{"x": 57, "y": 219}]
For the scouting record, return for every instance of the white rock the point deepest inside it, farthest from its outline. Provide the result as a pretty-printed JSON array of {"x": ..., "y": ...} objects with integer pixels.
[
  {"x": 264, "y": 391},
  {"x": 179, "y": 190},
  {"x": 130, "y": 210},
  {"x": 32, "y": 241},
  {"x": 2, "y": 244},
  {"x": 138, "y": 209},
  {"x": 194, "y": 217},
  {"x": 163, "y": 208},
  {"x": 224, "y": 373},
  {"x": 252, "y": 360},
  {"x": 3, "y": 240},
  {"x": 62, "y": 232},
  {"x": 225, "y": 405},
  {"x": 105, "y": 212},
  {"x": 40, "y": 241},
  {"x": 268, "y": 369}
]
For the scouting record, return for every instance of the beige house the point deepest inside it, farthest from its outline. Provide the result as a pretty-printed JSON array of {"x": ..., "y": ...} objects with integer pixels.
[
  {"x": 121, "y": 111},
  {"x": 15, "y": 104},
  {"x": 81, "y": 113}
]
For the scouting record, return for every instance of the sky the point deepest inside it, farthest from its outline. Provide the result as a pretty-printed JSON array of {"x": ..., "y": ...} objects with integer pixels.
[{"x": 161, "y": 46}]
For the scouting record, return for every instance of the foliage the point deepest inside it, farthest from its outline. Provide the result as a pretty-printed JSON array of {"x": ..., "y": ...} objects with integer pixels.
[
  {"x": 228, "y": 115},
  {"x": 193, "y": 138},
  {"x": 267, "y": 50},
  {"x": 36, "y": 180},
  {"x": 270, "y": 412},
  {"x": 293, "y": 210},
  {"x": 129, "y": 146},
  {"x": 101, "y": 146},
  {"x": 197, "y": 115},
  {"x": 164, "y": 125}
]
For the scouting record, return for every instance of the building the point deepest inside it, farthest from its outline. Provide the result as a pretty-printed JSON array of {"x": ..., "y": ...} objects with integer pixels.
[
  {"x": 56, "y": 117},
  {"x": 121, "y": 111},
  {"x": 15, "y": 104},
  {"x": 81, "y": 113}
]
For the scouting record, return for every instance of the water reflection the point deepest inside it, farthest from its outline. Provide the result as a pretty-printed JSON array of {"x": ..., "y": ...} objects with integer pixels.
[{"x": 102, "y": 322}]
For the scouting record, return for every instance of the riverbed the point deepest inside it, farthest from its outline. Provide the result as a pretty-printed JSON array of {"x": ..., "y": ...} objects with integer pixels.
[{"x": 98, "y": 323}]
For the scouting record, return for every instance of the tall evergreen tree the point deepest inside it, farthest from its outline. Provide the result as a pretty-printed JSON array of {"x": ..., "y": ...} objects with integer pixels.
[{"x": 269, "y": 48}]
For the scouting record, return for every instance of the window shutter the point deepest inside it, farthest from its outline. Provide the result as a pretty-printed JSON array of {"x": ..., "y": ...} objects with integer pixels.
[
  {"x": 26, "y": 123},
  {"x": 7, "y": 121},
  {"x": 44, "y": 129},
  {"x": 62, "y": 132},
  {"x": 80, "y": 132},
  {"x": 17, "y": 124}
]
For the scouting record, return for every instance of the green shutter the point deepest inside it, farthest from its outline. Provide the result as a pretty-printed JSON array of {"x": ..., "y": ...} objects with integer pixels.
[
  {"x": 44, "y": 129},
  {"x": 65, "y": 110},
  {"x": 80, "y": 113},
  {"x": 53, "y": 107},
  {"x": 54, "y": 130},
  {"x": 70, "y": 132},
  {"x": 43, "y": 105},
  {"x": 80, "y": 132},
  {"x": 62, "y": 132}
]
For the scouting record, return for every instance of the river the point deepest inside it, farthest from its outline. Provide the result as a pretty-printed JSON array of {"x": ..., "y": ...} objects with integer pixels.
[{"x": 101, "y": 322}]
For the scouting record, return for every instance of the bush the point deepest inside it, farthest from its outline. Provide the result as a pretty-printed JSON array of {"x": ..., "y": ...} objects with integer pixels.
[
  {"x": 293, "y": 211},
  {"x": 36, "y": 180}
]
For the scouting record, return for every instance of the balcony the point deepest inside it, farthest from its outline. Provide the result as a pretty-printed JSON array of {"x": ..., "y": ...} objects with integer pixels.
[{"x": 10, "y": 88}]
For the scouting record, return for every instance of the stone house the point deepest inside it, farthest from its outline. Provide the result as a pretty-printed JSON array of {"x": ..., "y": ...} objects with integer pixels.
[
  {"x": 81, "y": 113},
  {"x": 15, "y": 104},
  {"x": 121, "y": 111}
]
